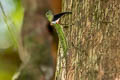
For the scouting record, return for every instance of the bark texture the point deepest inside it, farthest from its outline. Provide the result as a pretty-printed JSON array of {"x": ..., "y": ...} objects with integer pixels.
[
  {"x": 93, "y": 35},
  {"x": 56, "y": 6}
]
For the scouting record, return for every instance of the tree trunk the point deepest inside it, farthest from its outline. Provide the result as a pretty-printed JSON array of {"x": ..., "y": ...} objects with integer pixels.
[
  {"x": 93, "y": 36},
  {"x": 35, "y": 43}
]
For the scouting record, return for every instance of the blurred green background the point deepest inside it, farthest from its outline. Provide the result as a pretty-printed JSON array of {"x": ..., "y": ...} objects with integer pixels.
[{"x": 11, "y": 16}]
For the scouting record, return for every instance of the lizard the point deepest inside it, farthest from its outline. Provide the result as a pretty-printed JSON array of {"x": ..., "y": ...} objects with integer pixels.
[{"x": 54, "y": 19}]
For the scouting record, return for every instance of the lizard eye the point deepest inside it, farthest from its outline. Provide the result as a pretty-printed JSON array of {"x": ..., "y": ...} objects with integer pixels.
[{"x": 47, "y": 13}]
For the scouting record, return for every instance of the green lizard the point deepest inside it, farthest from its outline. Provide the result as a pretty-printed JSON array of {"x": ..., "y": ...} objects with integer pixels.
[{"x": 53, "y": 21}]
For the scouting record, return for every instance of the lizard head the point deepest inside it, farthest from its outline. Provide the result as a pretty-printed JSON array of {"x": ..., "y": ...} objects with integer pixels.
[{"x": 49, "y": 15}]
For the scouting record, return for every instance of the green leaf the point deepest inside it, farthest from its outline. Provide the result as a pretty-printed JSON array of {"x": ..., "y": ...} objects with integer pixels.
[{"x": 10, "y": 24}]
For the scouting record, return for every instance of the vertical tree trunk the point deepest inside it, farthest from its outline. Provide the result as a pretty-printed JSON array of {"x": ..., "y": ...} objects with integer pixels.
[
  {"x": 56, "y": 6},
  {"x": 35, "y": 43},
  {"x": 93, "y": 36}
]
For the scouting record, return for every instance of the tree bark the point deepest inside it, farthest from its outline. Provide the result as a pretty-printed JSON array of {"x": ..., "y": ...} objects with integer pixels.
[
  {"x": 93, "y": 36},
  {"x": 56, "y": 6}
]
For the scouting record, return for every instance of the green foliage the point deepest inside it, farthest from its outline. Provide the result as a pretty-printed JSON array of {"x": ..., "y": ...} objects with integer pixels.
[
  {"x": 11, "y": 15},
  {"x": 10, "y": 23}
]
